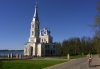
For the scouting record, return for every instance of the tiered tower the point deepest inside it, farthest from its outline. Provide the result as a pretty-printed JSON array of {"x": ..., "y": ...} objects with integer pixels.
[{"x": 34, "y": 31}]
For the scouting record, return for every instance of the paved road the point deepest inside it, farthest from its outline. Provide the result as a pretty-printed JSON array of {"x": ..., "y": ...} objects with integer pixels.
[{"x": 81, "y": 63}]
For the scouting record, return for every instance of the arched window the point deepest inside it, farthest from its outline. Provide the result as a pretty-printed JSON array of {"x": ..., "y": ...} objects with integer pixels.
[
  {"x": 32, "y": 33},
  {"x": 32, "y": 26},
  {"x": 45, "y": 40},
  {"x": 31, "y": 50},
  {"x": 44, "y": 32}
]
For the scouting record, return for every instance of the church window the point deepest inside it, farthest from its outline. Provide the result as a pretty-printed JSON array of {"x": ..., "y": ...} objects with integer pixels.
[
  {"x": 32, "y": 26},
  {"x": 45, "y": 40},
  {"x": 44, "y": 32},
  {"x": 32, "y": 33}
]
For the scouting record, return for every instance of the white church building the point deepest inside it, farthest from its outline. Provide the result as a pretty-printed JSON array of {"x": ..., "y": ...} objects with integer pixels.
[{"x": 40, "y": 42}]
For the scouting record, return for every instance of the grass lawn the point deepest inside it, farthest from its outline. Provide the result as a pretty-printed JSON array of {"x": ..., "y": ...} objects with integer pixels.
[
  {"x": 65, "y": 57},
  {"x": 29, "y": 64},
  {"x": 78, "y": 56}
]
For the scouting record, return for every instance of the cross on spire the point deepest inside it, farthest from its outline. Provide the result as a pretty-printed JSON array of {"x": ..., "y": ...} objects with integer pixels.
[
  {"x": 36, "y": 18},
  {"x": 36, "y": 2}
]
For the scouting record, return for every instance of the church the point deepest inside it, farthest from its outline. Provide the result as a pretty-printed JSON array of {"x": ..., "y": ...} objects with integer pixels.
[{"x": 40, "y": 42}]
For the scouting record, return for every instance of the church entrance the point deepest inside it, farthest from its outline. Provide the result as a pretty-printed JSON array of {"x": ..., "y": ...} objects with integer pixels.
[{"x": 31, "y": 50}]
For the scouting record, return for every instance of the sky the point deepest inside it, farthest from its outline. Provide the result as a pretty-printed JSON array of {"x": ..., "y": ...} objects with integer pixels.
[{"x": 64, "y": 18}]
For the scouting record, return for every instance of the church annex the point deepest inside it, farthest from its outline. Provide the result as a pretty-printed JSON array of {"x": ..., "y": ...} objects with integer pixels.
[{"x": 40, "y": 42}]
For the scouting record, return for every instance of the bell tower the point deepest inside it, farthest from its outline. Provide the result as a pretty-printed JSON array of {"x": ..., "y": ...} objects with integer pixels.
[{"x": 34, "y": 31}]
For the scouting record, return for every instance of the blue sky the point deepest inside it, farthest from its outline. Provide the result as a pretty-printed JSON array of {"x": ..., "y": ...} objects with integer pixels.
[{"x": 65, "y": 19}]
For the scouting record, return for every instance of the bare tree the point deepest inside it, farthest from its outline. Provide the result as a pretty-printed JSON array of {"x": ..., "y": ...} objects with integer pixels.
[{"x": 96, "y": 27}]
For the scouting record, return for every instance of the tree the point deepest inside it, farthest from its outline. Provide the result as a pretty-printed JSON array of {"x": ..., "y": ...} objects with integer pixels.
[
  {"x": 83, "y": 44},
  {"x": 78, "y": 47},
  {"x": 96, "y": 24},
  {"x": 96, "y": 27},
  {"x": 59, "y": 49},
  {"x": 64, "y": 47}
]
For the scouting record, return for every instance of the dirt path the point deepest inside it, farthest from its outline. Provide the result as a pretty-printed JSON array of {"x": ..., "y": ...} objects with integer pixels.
[{"x": 81, "y": 63}]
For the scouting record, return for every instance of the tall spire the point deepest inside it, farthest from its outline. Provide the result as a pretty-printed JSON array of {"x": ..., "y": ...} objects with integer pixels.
[{"x": 36, "y": 18}]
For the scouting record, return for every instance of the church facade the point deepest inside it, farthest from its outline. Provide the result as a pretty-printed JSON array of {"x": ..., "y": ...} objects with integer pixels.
[{"x": 40, "y": 42}]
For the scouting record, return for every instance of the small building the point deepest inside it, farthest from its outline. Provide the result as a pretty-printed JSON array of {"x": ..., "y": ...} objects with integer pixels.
[{"x": 40, "y": 42}]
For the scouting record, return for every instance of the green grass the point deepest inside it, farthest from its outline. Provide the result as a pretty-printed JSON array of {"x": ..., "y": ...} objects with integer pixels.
[
  {"x": 29, "y": 64},
  {"x": 35, "y": 64},
  {"x": 65, "y": 57},
  {"x": 76, "y": 57},
  {"x": 3, "y": 56}
]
